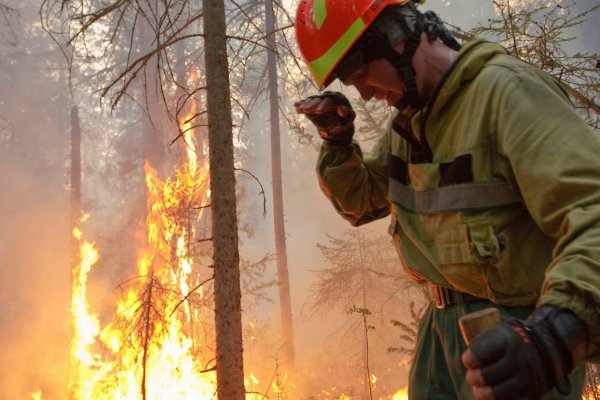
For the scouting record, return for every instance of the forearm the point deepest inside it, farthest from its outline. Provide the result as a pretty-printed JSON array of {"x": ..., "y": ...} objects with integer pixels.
[{"x": 356, "y": 188}]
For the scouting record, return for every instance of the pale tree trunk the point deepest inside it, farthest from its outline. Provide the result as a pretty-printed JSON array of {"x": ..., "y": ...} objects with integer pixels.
[
  {"x": 228, "y": 316},
  {"x": 75, "y": 180},
  {"x": 75, "y": 214},
  {"x": 283, "y": 282},
  {"x": 364, "y": 289},
  {"x": 152, "y": 106}
]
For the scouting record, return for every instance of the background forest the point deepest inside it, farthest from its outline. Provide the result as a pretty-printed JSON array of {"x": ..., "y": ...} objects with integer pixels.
[{"x": 104, "y": 108}]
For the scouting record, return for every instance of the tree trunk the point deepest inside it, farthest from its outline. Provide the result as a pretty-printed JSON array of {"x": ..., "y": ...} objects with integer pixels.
[
  {"x": 228, "y": 317},
  {"x": 75, "y": 177},
  {"x": 153, "y": 110},
  {"x": 365, "y": 290},
  {"x": 283, "y": 282},
  {"x": 75, "y": 215}
]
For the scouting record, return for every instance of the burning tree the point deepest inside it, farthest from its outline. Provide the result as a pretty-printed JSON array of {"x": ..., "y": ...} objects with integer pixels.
[
  {"x": 170, "y": 83},
  {"x": 153, "y": 346}
]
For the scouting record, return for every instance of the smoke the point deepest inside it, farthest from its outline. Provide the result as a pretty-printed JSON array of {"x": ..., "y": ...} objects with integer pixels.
[
  {"x": 586, "y": 35},
  {"x": 34, "y": 285},
  {"x": 34, "y": 213},
  {"x": 35, "y": 273}
]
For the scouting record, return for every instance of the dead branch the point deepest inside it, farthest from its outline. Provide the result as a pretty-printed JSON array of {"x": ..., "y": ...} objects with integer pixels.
[{"x": 183, "y": 300}]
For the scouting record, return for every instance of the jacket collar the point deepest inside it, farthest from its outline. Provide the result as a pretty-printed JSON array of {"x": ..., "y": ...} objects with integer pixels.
[{"x": 471, "y": 60}]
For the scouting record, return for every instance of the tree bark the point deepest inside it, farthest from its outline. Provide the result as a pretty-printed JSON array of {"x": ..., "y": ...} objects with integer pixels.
[
  {"x": 283, "y": 282},
  {"x": 75, "y": 216},
  {"x": 153, "y": 110},
  {"x": 228, "y": 318},
  {"x": 75, "y": 177}
]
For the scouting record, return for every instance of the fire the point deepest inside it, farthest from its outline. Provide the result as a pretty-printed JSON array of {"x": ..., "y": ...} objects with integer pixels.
[
  {"x": 149, "y": 349},
  {"x": 144, "y": 349},
  {"x": 401, "y": 394},
  {"x": 187, "y": 128},
  {"x": 37, "y": 395},
  {"x": 153, "y": 347}
]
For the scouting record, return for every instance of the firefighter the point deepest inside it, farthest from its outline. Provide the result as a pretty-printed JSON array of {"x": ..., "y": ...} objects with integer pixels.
[{"x": 492, "y": 181}]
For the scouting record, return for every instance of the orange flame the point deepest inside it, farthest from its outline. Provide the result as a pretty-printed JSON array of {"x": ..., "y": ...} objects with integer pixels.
[
  {"x": 118, "y": 361},
  {"x": 148, "y": 349},
  {"x": 144, "y": 350},
  {"x": 401, "y": 394},
  {"x": 187, "y": 128}
]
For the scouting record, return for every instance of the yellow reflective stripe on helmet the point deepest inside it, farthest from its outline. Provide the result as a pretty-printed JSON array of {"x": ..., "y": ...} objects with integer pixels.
[
  {"x": 322, "y": 66},
  {"x": 319, "y": 12}
]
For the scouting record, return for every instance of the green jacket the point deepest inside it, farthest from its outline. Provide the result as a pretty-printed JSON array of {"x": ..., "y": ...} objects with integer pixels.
[{"x": 493, "y": 188}]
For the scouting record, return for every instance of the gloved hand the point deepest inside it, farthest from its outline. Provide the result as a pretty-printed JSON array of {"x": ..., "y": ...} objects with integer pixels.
[
  {"x": 526, "y": 359},
  {"x": 332, "y": 114}
]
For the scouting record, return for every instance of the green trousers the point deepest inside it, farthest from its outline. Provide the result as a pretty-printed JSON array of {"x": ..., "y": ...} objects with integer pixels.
[{"x": 437, "y": 372}]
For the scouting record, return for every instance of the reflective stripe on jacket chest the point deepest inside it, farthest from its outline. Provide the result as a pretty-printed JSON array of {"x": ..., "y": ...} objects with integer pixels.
[{"x": 451, "y": 187}]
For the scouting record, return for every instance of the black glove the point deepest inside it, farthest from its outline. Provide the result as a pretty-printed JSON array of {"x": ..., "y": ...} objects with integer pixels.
[
  {"x": 335, "y": 124},
  {"x": 526, "y": 359}
]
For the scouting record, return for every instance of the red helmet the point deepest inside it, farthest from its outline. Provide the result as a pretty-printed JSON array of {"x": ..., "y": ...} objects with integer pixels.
[{"x": 327, "y": 29}]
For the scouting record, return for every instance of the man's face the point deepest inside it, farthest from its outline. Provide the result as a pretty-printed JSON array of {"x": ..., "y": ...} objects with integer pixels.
[{"x": 377, "y": 79}]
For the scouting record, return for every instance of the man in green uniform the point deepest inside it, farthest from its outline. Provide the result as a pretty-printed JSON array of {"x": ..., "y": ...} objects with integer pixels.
[{"x": 492, "y": 181}]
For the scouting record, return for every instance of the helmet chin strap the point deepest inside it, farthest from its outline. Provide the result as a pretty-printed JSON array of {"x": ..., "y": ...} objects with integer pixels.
[
  {"x": 433, "y": 26},
  {"x": 403, "y": 62},
  {"x": 379, "y": 46},
  {"x": 379, "y": 42},
  {"x": 406, "y": 73},
  {"x": 403, "y": 65}
]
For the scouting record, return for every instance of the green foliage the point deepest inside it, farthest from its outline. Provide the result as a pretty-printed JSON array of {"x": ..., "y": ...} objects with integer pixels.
[
  {"x": 408, "y": 330},
  {"x": 359, "y": 310},
  {"x": 364, "y": 312}
]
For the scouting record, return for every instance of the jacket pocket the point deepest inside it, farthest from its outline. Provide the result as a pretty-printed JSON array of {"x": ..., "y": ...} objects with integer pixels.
[
  {"x": 485, "y": 243},
  {"x": 474, "y": 243}
]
